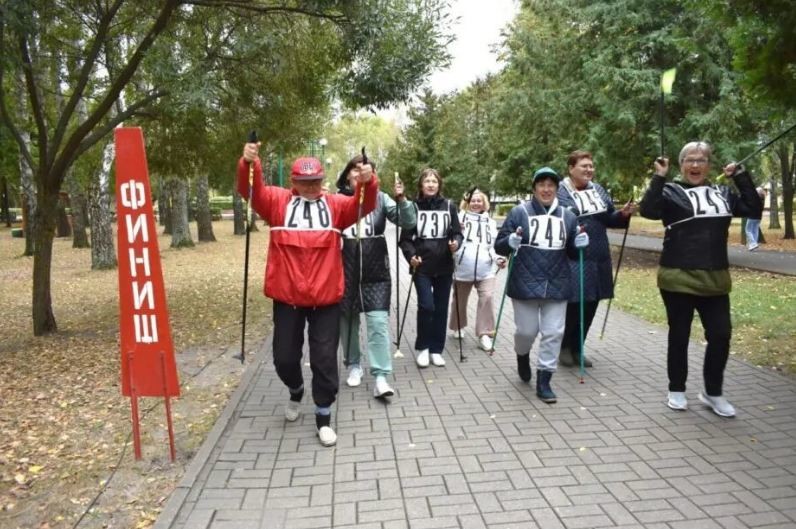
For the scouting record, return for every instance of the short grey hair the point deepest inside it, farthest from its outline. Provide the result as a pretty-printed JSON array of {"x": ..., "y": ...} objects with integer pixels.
[{"x": 701, "y": 146}]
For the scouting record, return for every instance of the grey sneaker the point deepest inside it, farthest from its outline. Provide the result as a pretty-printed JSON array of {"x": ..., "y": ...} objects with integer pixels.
[
  {"x": 292, "y": 410},
  {"x": 677, "y": 400},
  {"x": 719, "y": 405}
]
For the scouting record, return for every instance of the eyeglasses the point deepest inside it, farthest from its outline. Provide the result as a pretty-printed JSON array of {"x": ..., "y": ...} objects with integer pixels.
[{"x": 695, "y": 161}]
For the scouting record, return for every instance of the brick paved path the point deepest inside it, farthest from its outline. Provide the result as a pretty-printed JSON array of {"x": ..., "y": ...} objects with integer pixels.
[{"x": 470, "y": 446}]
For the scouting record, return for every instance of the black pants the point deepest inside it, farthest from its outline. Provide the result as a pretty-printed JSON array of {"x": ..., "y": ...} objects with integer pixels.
[
  {"x": 571, "y": 339},
  {"x": 714, "y": 311},
  {"x": 324, "y": 335},
  {"x": 433, "y": 294}
]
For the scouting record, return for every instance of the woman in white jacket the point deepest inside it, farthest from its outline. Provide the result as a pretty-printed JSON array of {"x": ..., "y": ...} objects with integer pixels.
[{"x": 476, "y": 265}]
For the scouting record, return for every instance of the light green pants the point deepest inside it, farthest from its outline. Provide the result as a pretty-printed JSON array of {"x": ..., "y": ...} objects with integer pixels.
[{"x": 378, "y": 341}]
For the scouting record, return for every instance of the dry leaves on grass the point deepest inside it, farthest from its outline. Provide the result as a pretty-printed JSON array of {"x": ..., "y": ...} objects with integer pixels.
[{"x": 64, "y": 424}]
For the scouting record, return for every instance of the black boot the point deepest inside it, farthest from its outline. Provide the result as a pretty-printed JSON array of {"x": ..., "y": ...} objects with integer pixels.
[
  {"x": 543, "y": 389},
  {"x": 586, "y": 361},
  {"x": 524, "y": 367},
  {"x": 565, "y": 357}
]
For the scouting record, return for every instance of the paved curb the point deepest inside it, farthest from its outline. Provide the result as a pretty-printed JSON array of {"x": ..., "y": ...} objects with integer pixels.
[{"x": 227, "y": 418}]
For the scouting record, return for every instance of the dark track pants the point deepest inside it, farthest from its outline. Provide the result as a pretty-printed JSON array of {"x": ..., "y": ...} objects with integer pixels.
[
  {"x": 433, "y": 294},
  {"x": 323, "y": 334},
  {"x": 571, "y": 339},
  {"x": 714, "y": 311}
]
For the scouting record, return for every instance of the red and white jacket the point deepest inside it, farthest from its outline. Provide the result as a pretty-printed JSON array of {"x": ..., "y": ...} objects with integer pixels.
[{"x": 305, "y": 262}]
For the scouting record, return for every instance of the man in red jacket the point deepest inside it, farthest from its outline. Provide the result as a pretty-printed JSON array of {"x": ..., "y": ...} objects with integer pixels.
[{"x": 304, "y": 273}]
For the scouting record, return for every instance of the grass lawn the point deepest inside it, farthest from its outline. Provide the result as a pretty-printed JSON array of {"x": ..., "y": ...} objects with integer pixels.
[{"x": 763, "y": 309}]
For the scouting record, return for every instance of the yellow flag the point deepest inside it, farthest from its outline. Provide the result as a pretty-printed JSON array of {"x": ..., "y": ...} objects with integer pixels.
[{"x": 667, "y": 80}]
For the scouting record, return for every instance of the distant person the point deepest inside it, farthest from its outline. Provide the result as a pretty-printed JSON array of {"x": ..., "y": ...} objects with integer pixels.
[
  {"x": 590, "y": 202},
  {"x": 694, "y": 270},
  {"x": 367, "y": 281},
  {"x": 476, "y": 264},
  {"x": 540, "y": 282},
  {"x": 753, "y": 224},
  {"x": 304, "y": 274},
  {"x": 429, "y": 249}
]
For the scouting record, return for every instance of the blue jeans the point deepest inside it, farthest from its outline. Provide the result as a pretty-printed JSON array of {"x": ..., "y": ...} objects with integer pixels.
[
  {"x": 432, "y": 311},
  {"x": 752, "y": 232}
]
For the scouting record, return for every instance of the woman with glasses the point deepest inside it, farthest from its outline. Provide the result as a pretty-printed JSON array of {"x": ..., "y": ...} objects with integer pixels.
[
  {"x": 694, "y": 270},
  {"x": 590, "y": 202}
]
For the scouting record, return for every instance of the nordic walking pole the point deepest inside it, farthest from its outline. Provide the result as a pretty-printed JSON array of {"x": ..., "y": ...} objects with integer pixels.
[
  {"x": 247, "y": 224},
  {"x": 503, "y": 297},
  {"x": 581, "y": 310},
  {"x": 462, "y": 358},
  {"x": 397, "y": 275},
  {"x": 760, "y": 149},
  {"x": 406, "y": 306}
]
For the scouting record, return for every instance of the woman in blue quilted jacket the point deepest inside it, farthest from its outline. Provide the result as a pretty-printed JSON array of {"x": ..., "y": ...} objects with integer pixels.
[{"x": 542, "y": 236}]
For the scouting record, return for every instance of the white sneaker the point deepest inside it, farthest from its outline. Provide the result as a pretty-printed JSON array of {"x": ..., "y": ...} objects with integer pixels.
[
  {"x": 453, "y": 335},
  {"x": 677, "y": 400},
  {"x": 719, "y": 405},
  {"x": 485, "y": 342},
  {"x": 292, "y": 410},
  {"x": 422, "y": 358},
  {"x": 437, "y": 359},
  {"x": 327, "y": 436},
  {"x": 381, "y": 388},
  {"x": 354, "y": 376},
  {"x": 753, "y": 247}
]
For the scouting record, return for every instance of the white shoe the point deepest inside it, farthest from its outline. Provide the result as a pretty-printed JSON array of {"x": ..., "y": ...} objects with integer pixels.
[
  {"x": 485, "y": 342},
  {"x": 753, "y": 247},
  {"x": 437, "y": 359},
  {"x": 292, "y": 410},
  {"x": 354, "y": 376},
  {"x": 719, "y": 405},
  {"x": 422, "y": 358},
  {"x": 453, "y": 335},
  {"x": 677, "y": 400},
  {"x": 381, "y": 388},
  {"x": 327, "y": 436}
]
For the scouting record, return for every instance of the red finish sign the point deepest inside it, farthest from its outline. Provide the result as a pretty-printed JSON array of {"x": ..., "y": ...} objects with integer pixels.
[{"x": 148, "y": 368}]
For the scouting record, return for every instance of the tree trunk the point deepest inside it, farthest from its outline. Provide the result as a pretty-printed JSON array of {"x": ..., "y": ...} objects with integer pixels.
[
  {"x": 787, "y": 188},
  {"x": 29, "y": 200},
  {"x": 62, "y": 227},
  {"x": 167, "y": 207},
  {"x": 180, "y": 228},
  {"x": 79, "y": 212},
  {"x": 5, "y": 206},
  {"x": 239, "y": 214},
  {"x": 43, "y": 317},
  {"x": 204, "y": 219},
  {"x": 773, "y": 205},
  {"x": 103, "y": 252}
]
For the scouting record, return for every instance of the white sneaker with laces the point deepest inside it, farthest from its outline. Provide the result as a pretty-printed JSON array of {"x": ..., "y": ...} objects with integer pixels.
[
  {"x": 354, "y": 376},
  {"x": 719, "y": 405},
  {"x": 292, "y": 410},
  {"x": 381, "y": 388},
  {"x": 327, "y": 436},
  {"x": 422, "y": 358},
  {"x": 677, "y": 400},
  {"x": 437, "y": 359},
  {"x": 485, "y": 342}
]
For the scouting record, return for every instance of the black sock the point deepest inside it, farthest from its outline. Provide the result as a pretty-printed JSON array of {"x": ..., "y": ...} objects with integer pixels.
[
  {"x": 296, "y": 397},
  {"x": 322, "y": 420}
]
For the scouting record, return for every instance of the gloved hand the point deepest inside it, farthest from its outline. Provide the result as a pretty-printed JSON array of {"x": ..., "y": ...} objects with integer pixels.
[
  {"x": 515, "y": 240},
  {"x": 581, "y": 240}
]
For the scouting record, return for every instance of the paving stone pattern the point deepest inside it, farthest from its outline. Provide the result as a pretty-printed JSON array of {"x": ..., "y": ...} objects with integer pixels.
[{"x": 470, "y": 446}]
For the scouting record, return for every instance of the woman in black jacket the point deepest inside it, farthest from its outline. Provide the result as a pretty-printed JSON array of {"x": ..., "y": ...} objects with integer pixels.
[
  {"x": 429, "y": 248},
  {"x": 694, "y": 270}
]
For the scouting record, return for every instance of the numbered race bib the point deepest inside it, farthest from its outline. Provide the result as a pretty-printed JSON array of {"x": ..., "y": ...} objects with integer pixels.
[
  {"x": 707, "y": 201},
  {"x": 308, "y": 215},
  {"x": 546, "y": 232},
  {"x": 588, "y": 202},
  {"x": 433, "y": 224},
  {"x": 366, "y": 227},
  {"x": 475, "y": 231}
]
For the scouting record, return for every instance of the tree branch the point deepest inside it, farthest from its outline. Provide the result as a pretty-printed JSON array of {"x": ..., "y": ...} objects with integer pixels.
[
  {"x": 66, "y": 155},
  {"x": 35, "y": 102},
  {"x": 85, "y": 73},
  {"x": 132, "y": 110},
  {"x": 247, "y": 5}
]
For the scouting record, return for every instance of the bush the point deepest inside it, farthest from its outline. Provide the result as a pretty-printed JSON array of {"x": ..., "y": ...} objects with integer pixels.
[
  {"x": 215, "y": 213},
  {"x": 501, "y": 210},
  {"x": 221, "y": 202}
]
